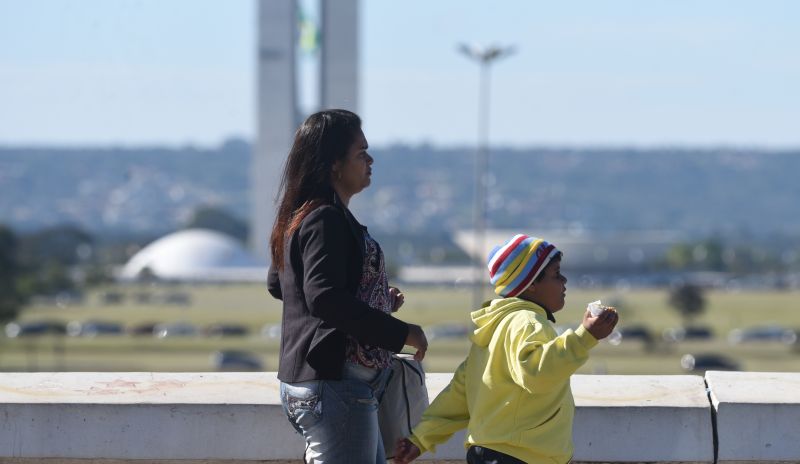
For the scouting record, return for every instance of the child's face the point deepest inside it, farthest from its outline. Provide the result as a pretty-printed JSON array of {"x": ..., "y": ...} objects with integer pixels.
[{"x": 551, "y": 290}]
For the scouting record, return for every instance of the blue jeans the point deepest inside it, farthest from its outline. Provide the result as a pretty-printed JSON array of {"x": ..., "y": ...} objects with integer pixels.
[{"x": 338, "y": 418}]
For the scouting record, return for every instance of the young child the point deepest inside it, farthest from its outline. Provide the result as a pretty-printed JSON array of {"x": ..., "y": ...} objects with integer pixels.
[{"x": 512, "y": 393}]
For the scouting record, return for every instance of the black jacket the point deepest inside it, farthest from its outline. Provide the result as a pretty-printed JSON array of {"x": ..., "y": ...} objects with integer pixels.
[{"x": 321, "y": 273}]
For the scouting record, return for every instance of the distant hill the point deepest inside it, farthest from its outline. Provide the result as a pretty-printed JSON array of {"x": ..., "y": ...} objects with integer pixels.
[
  {"x": 133, "y": 191},
  {"x": 418, "y": 190},
  {"x": 701, "y": 192}
]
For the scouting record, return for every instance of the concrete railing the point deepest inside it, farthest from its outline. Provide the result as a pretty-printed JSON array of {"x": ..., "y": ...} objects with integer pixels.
[{"x": 236, "y": 417}]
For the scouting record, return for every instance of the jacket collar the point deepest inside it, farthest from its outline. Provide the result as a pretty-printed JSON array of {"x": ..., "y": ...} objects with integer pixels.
[{"x": 549, "y": 314}]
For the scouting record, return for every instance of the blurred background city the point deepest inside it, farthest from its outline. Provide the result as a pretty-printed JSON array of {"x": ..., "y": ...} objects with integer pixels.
[{"x": 656, "y": 144}]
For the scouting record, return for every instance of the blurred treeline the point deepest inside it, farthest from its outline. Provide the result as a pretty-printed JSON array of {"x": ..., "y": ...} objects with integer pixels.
[{"x": 61, "y": 262}]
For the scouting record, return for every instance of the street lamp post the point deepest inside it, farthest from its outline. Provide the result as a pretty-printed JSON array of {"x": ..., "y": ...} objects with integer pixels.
[{"x": 485, "y": 57}]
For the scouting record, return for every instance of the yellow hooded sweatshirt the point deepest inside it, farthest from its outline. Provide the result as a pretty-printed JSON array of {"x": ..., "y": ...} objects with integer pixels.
[{"x": 512, "y": 393}]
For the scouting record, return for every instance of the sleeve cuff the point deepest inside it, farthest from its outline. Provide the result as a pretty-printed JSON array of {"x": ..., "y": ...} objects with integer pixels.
[
  {"x": 413, "y": 439},
  {"x": 586, "y": 338}
]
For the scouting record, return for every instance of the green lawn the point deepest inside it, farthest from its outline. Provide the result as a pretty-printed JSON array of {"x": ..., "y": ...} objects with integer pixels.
[{"x": 250, "y": 305}]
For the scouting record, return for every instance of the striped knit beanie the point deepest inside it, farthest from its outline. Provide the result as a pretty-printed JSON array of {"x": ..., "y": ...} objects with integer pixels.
[{"x": 514, "y": 265}]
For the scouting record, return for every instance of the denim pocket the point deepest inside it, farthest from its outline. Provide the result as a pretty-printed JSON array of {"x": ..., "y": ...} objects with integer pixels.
[
  {"x": 303, "y": 404},
  {"x": 350, "y": 393}
]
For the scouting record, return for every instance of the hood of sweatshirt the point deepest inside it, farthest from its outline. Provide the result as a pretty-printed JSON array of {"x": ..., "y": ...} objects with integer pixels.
[{"x": 487, "y": 318}]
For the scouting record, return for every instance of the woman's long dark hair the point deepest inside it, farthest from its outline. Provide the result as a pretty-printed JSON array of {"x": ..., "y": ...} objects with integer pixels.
[{"x": 321, "y": 140}]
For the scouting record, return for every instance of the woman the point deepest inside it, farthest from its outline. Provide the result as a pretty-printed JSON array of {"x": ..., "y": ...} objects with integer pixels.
[{"x": 337, "y": 333}]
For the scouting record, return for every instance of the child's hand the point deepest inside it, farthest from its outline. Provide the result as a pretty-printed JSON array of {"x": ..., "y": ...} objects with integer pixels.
[
  {"x": 602, "y": 325},
  {"x": 405, "y": 451}
]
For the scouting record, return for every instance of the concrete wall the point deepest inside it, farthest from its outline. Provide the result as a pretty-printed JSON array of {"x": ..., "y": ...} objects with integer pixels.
[
  {"x": 757, "y": 416},
  {"x": 642, "y": 418},
  {"x": 236, "y": 417}
]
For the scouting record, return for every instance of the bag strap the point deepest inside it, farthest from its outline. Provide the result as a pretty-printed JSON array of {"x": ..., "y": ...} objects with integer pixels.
[{"x": 403, "y": 365}]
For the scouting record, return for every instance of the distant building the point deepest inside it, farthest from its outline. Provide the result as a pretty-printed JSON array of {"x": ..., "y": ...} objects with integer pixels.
[
  {"x": 612, "y": 255},
  {"x": 339, "y": 55},
  {"x": 194, "y": 255},
  {"x": 278, "y": 112},
  {"x": 586, "y": 250}
]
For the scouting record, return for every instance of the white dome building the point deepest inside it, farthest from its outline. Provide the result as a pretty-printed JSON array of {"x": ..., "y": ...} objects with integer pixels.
[{"x": 194, "y": 255}]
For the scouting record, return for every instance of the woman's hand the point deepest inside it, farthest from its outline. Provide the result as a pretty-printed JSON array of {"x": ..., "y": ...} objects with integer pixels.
[
  {"x": 405, "y": 451},
  {"x": 416, "y": 338},
  {"x": 397, "y": 298}
]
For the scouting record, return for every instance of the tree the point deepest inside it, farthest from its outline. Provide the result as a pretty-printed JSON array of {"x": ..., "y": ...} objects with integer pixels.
[
  {"x": 46, "y": 257},
  {"x": 679, "y": 256},
  {"x": 705, "y": 255},
  {"x": 688, "y": 300},
  {"x": 10, "y": 299},
  {"x": 219, "y": 220},
  {"x": 58, "y": 244}
]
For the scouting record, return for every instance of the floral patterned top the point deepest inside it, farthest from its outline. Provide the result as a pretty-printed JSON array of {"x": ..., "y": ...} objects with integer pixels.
[{"x": 374, "y": 291}]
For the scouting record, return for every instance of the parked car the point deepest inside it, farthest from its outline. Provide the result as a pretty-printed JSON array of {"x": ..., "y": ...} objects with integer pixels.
[
  {"x": 704, "y": 362},
  {"x": 112, "y": 298},
  {"x": 29, "y": 329},
  {"x": 93, "y": 328},
  {"x": 174, "y": 329},
  {"x": 226, "y": 330},
  {"x": 144, "y": 298},
  {"x": 178, "y": 298},
  {"x": 680, "y": 334},
  {"x": 764, "y": 333},
  {"x": 236, "y": 360},
  {"x": 636, "y": 332},
  {"x": 145, "y": 328},
  {"x": 698, "y": 333}
]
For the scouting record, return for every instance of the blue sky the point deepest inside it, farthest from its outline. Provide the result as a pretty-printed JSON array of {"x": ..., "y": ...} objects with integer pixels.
[{"x": 610, "y": 73}]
